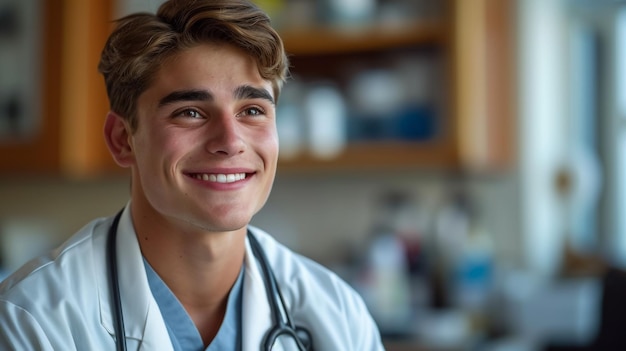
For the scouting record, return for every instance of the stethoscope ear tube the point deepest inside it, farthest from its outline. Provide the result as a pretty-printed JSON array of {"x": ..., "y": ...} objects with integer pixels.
[{"x": 120, "y": 335}]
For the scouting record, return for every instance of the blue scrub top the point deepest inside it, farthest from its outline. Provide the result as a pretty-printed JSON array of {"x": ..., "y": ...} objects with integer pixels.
[{"x": 182, "y": 330}]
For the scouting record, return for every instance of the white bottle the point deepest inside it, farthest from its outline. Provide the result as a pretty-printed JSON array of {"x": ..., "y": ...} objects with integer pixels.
[{"x": 326, "y": 113}]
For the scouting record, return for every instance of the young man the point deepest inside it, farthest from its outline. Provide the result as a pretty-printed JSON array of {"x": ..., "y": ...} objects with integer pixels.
[{"x": 193, "y": 91}]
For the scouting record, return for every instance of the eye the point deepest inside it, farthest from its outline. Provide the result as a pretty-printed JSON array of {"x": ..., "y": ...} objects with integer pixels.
[
  {"x": 251, "y": 111},
  {"x": 188, "y": 113}
]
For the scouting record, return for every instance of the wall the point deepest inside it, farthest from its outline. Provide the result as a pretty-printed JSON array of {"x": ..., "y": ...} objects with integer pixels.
[{"x": 325, "y": 216}]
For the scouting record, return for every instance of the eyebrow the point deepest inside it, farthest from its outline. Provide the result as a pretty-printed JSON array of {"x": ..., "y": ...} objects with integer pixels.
[
  {"x": 241, "y": 93},
  {"x": 185, "y": 95},
  {"x": 249, "y": 92}
]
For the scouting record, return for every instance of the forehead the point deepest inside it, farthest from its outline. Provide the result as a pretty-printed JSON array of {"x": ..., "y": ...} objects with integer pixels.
[{"x": 210, "y": 66}]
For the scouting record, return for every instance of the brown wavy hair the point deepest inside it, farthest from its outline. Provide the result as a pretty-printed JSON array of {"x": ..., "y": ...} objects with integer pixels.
[{"x": 141, "y": 42}]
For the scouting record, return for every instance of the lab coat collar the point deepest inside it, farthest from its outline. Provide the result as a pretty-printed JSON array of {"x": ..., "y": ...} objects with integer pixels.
[
  {"x": 142, "y": 318},
  {"x": 143, "y": 321},
  {"x": 257, "y": 315}
]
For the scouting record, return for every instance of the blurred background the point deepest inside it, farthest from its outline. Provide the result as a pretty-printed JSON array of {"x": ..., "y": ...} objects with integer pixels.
[{"x": 459, "y": 162}]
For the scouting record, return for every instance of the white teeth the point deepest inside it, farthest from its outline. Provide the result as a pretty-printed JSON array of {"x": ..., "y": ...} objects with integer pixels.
[{"x": 221, "y": 178}]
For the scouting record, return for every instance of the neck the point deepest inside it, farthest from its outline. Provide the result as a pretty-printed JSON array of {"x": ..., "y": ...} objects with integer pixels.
[{"x": 199, "y": 267}]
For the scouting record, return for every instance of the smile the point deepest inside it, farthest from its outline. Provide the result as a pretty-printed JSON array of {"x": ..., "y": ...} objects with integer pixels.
[{"x": 220, "y": 178}]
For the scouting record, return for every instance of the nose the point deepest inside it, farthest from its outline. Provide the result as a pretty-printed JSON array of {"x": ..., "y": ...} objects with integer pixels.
[{"x": 224, "y": 136}]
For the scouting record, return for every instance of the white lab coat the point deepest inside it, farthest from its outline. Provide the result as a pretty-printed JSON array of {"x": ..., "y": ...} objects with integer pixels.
[{"x": 63, "y": 302}]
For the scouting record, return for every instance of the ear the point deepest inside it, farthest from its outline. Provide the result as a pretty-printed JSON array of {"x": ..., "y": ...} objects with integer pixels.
[{"x": 117, "y": 135}]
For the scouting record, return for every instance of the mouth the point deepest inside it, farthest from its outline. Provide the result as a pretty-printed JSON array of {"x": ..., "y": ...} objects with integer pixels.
[{"x": 219, "y": 177}]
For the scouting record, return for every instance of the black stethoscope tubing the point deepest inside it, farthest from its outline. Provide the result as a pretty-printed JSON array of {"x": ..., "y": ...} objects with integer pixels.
[
  {"x": 120, "y": 335},
  {"x": 282, "y": 326}
]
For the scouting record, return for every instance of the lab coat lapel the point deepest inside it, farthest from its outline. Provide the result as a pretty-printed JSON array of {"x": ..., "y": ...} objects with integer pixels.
[
  {"x": 142, "y": 317},
  {"x": 257, "y": 315}
]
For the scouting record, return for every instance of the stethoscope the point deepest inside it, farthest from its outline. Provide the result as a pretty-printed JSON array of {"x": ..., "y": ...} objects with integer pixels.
[{"x": 283, "y": 324}]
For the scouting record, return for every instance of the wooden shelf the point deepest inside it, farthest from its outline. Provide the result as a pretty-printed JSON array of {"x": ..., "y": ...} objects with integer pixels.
[
  {"x": 322, "y": 40},
  {"x": 376, "y": 156}
]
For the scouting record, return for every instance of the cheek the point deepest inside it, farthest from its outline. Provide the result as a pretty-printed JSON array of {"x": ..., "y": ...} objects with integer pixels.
[
  {"x": 267, "y": 149},
  {"x": 271, "y": 160},
  {"x": 156, "y": 148},
  {"x": 272, "y": 149},
  {"x": 270, "y": 143}
]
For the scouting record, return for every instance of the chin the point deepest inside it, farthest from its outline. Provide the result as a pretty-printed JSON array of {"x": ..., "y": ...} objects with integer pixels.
[{"x": 220, "y": 225}]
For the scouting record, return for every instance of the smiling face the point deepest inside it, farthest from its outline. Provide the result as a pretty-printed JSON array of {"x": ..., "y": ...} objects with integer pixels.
[{"x": 205, "y": 150}]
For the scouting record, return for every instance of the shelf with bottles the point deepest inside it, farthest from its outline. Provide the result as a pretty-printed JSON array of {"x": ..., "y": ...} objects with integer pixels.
[
  {"x": 372, "y": 108},
  {"x": 368, "y": 85},
  {"x": 422, "y": 88},
  {"x": 314, "y": 28}
]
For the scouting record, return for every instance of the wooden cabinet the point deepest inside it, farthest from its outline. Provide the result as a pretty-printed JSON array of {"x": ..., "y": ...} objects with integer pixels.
[
  {"x": 484, "y": 71},
  {"x": 73, "y": 104},
  {"x": 38, "y": 152},
  {"x": 473, "y": 40}
]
